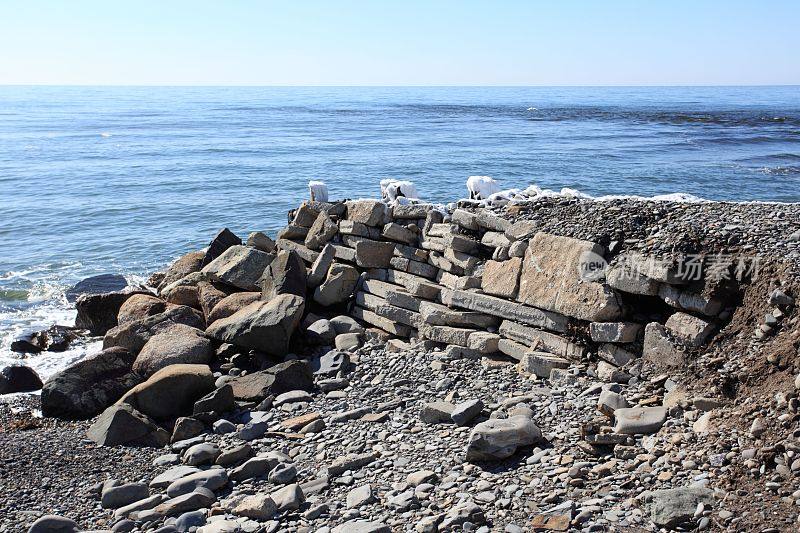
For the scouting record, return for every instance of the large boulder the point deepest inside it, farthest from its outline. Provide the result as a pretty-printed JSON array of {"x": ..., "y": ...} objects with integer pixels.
[
  {"x": 184, "y": 291},
  {"x": 98, "y": 312},
  {"x": 210, "y": 294},
  {"x": 121, "y": 424},
  {"x": 369, "y": 212},
  {"x": 673, "y": 507},
  {"x": 285, "y": 275},
  {"x": 499, "y": 438},
  {"x": 87, "y": 387},
  {"x": 338, "y": 286},
  {"x": 134, "y": 335},
  {"x": 182, "y": 267},
  {"x": 240, "y": 267},
  {"x": 263, "y": 326},
  {"x": 261, "y": 241},
  {"x": 178, "y": 344},
  {"x": 558, "y": 275},
  {"x": 231, "y": 304},
  {"x": 171, "y": 392},
  {"x": 283, "y": 377},
  {"x": 140, "y": 306},
  {"x": 97, "y": 285},
  {"x": 18, "y": 378},
  {"x": 322, "y": 231},
  {"x": 220, "y": 244}
]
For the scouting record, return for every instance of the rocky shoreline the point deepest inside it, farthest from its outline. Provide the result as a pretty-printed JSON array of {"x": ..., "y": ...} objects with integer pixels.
[{"x": 554, "y": 365}]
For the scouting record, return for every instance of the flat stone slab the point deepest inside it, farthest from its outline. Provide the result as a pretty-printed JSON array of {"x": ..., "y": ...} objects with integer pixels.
[
  {"x": 554, "y": 277},
  {"x": 639, "y": 420}
]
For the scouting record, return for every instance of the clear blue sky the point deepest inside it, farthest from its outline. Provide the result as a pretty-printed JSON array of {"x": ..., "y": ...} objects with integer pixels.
[{"x": 403, "y": 42}]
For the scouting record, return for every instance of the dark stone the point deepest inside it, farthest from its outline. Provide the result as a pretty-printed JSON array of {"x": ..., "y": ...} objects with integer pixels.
[
  {"x": 285, "y": 275},
  {"x": 283, "y": 377},
  {"x": 121, "y": 424},
  {"x": 219, "y": 401},
  {"x": 97, "y": 285},
  {"x": 98, "y": 312},
  {"x": 18, "y": 378},
  {"x": 223, "y": 240},
  {"x": 53, "y": 339},
  {"x": 86, "y": 388},
  {"x": 27, "y": 343}
]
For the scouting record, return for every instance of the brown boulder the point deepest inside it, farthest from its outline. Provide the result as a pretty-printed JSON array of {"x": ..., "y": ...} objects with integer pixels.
[
  {"x": 140, "y": 306},
  {"x": 176, "y": 345},
  {"x": 182, "y": 267},
  {"x": 264, "y": 326},
  {"x": 170, "y": 392},
  {"x": 134, "y": 335},
  {"x": 231, "y": 304}
]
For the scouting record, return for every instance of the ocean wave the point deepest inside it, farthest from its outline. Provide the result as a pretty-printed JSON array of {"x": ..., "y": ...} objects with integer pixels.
[{"x": 780, "y": 171}]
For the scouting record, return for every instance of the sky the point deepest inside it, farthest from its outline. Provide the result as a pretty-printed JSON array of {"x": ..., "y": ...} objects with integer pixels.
[{"x": 404, "y": 42}]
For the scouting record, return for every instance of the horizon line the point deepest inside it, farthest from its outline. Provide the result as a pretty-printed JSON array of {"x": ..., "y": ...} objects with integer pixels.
[{"x": 259, "y": 85}]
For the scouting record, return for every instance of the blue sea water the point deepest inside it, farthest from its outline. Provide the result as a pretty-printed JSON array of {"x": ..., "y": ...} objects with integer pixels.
[{"x": 124, "y": 179}]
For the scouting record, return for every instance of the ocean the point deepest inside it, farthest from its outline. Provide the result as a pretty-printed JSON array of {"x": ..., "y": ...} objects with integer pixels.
[{"x": 125, "y": 179}]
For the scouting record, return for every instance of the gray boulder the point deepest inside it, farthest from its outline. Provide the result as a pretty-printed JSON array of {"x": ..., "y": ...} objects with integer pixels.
[
  {"x": 264, "y": 326},
  {"x": 219, "y": 401},
  {"x": 283, "y": 377},
  {"x": 322, "y": 231},
  {"x": 54, "y": 524},
  {"x": 331, "y": 363},
  {"x": 199, "y": 499},
  {"x": 118, "y": 496},
  {"x": 319, "y": 268},
  {"x": 87, "y": 387},
  {"x": 261, "y": 241},
  {"x": 123, "y": 425},
  {"x": 239, "y": 266},
  {"x": 346, "y": 324},
  {"x": 211, "y": 479},
  {"x": 321, "y": 332},
  {"x": 497, "y": 438},
  {"x": 187, "y": 427},
  {"x": 178, "y": 344},
  {"x": 285, "y": 275},
  {"x": 100, "y": 284},
  {"x": 338, "y": 285},
  {"x": 673, "y": 507}
]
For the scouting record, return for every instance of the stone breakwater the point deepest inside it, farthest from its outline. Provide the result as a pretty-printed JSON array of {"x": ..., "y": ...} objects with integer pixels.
[{"x": 544, "y": 366}]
